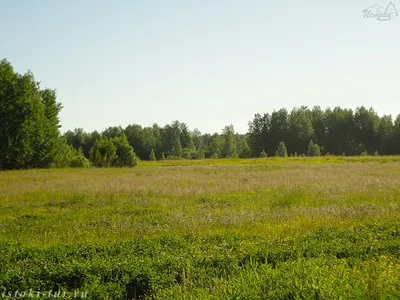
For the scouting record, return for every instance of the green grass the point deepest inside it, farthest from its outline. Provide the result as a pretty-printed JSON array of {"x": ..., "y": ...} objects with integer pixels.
[{"x": 295, "y": 228}]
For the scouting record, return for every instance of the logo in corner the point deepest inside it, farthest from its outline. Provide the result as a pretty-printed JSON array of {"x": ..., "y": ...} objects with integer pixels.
[{"x": 380, "y": 13}]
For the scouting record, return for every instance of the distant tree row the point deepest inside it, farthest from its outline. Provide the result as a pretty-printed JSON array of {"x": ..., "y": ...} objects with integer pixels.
[
  {"x": 173, "y": 141},
  {"x": 335, "y": 131},
  {"x": 30, "y": 136},
  {"x": 303, "y": 131}
]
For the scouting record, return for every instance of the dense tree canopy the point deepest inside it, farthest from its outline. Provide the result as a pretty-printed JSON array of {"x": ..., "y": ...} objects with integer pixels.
[
  {"x": 336, "y": 131},
  {"x": 30, "y": 136},
  {"x": 29, "y": 121}
]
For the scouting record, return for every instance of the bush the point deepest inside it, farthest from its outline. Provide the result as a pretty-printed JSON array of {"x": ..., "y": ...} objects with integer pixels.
[
  {"x": 103, "y": 152},
  {"x": 114, "y": 152},
  {"x": 214, "y": 156},
  {"x": 79, "y": 160},
  {"x": 200, "y": 154},
  {"x": 313, "y": 149},
  {"x": 125, "y": 156},
  {"x": 152, "y": 155},
  {"x": 172, "y": 157},
  {"x": 263, "y": 154},
  {"x": 189, "y": 153},
  {"x": 376, "y": 153},
  {"x": 364, "y": 153},
  {"x": 282, "y": 150},
  {"x": 245, "y": 150},
  {"x": 63, "y": 157},
  {"x": 67, "y": 157}
]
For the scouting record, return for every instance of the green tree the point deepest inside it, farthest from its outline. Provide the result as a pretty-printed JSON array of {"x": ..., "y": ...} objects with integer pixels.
[
  {"x": 282, "y": 150},
  {"x": 79, "y": 139},
  {"x": 198, "y": 139},
  {"x": 103, "y": 152},
  {"x": 263, "y": 154},
  {"x": 366, "y": 126},
  {"x": 134, "y": 134},
  {"x": 78, "y": 159},
  {"x": 259, "y": 134},
  {"x": 215, "y": 146},
  {"x": 395, "y": 137},
  {"x": 64, "y": 156},
  {"x": 152, "y": 155},
  {"x": 229, "y": 142},
  {"x": 244, "y": 150},
  {"x": 318, "y": 120},
  {"x": 300, "y": 129},
  {"x": 313, "y": 149},
  {"x": 68, "y": 157},
  {"x": 177, "y": 148},
  {"x": 29, "y": 135},
  {"x": 189, "y": 152},
  {"x": 125, "y": 156},
  {"x": 113, "y": 132},
  {"x": 384, "y": 135},
  {"x": 48, "y": 148},
  {"x": 340, "y": 132},
  {"x": 201, "y": 154},
  {"x": 279, "y": 129}
]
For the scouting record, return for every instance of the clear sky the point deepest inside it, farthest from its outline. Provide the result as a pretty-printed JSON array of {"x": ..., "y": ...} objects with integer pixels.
[{"x": 207, "y": 63}]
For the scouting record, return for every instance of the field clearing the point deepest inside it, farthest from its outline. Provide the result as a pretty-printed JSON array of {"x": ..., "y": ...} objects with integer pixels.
[{"x": 311, "y": 228}]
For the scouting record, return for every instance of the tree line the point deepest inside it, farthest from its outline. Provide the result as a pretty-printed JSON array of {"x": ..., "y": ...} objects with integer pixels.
[
  {"x": 30, "y": 133},
  {"x": 336, "y": 131},
  {"x": 302, "y": 131}
]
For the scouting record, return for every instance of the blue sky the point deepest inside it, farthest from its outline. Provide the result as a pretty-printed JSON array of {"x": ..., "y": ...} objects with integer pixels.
[{"x": 208, "y": 63}]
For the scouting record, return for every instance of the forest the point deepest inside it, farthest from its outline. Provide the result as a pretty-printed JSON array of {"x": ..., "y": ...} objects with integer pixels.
[{"x": 30, "y": 134}]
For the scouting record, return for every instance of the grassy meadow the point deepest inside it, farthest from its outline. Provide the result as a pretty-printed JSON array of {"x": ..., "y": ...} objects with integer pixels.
[{"x": 276, "y": 228}]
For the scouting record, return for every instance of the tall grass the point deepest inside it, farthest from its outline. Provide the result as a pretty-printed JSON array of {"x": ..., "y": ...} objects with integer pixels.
[{"x": 275, "y": 228}]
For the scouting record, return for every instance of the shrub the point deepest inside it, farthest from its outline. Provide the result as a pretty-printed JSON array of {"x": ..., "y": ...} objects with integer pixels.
[
  {"x": 64, "y": 156},
  {"x": 364, "y": 153},
  {"x": 244, "y": 149},
  {"x": 103, "y": 152},
  {"x": 200, "y": 154},
  {"x": 313, "y": 149},
  {"x": 125, "y": 156},
  {"x": 263, "y": 154},
  {"x": 282, "y": 150},
  {"x": 79, "y": 160},
  {"x": 67, "y": 156},
  {"x": 214, "y": 156},
  {"x": 152, "y": 155},
  {"x": 188, "y": 153},
  {"x": 173, "y": 157}
]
